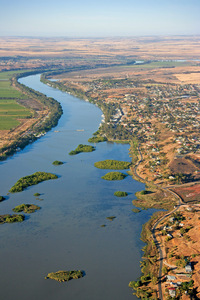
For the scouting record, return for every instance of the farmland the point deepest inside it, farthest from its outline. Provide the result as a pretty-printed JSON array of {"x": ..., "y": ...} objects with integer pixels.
[{"x": 10, "y": 110}]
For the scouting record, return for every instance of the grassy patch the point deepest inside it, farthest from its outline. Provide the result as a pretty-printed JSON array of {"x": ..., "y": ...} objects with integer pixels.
[
  {"x": 62, "y": 276},
  {"x": 114, "y": 176},
  {"x": 82, "y": 148},
  {"x": 7, "y": 91},
  {"x": 33, "y": 179},
  {"x": 8, "y": 122},
  {"x": 26, "y": 208},
  {"x": 120, "y": 194},
  {"x": 112, "y": 164},
  {"x": 154, "y": 198}
]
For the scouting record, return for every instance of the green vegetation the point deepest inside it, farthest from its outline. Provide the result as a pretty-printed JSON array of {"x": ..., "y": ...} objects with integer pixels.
[
  {"x": 7, "y": 91},
  {"x": 136, "y": 210},
  {"x": 120, "y": 194},
  {"x": 26, "y": 208},
  {"x": 97, "y": 139},
  {"x": 11, "y": 218},
  {"x": 111, "y": 218},
  {"x": 114, "y": 176},
  {"x": 57, "y": 163},
  {"x": 149, "y": 264},
  {"x": 62, "y": 276},
  {"x": 33, "y": 179},
  {"x": 134, "y": 150},
  {"x": 112, "y": 164},
  {"x": 82, "y": 148},
  {"x": 37, "y": 194},
  {"x": 154, "y": 197},
  {"x": 2, "y": 198},
  {"x": 10, "y": 111}
]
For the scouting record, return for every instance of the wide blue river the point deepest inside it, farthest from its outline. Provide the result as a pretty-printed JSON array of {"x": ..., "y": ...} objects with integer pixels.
[{"x": 66, "y": 234}]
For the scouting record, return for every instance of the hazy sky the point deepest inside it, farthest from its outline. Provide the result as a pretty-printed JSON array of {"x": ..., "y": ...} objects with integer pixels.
[{"x": 98, "y": 18}]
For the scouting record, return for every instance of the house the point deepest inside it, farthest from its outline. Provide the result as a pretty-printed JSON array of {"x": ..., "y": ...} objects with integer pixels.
[
  {"x": 170, "y": 277},
  {"x": 172, "y": 291},
  {"x": 188, "y": 268}
]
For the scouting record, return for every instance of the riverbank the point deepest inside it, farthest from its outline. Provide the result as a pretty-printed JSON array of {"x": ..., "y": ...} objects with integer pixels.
[{"x": 45, "y": 115}]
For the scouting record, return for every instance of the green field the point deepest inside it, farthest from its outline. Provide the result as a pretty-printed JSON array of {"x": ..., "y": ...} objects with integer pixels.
[
  {"x": 10, "y": 110},
  {"x": 7, "y": 91},
  {"x": 8, "y": 75},
  {"x": 7, "y": 123}
]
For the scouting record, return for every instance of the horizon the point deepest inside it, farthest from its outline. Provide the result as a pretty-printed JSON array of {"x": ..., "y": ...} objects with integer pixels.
[{"x": 99, "y": 19}]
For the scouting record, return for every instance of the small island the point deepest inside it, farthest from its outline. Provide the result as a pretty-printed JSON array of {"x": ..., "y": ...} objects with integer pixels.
[
  {"x": 62, "y": 276},
  {"x": 33, "y": 179},
  {"x": 114, "y": 176},
  {"x": 82, "y": 148},
  {"x": 2, "y": 198},
  {"x": 120, "y": 194},
  {"x": 11, "y": 218},
  {"x": 57, "y": 163},
  {"x": 26, "y": 208},
  {"x": 111, "y": 218},
  {"x": 112, "y": 164},
  {"x": 37, "y": 194}
]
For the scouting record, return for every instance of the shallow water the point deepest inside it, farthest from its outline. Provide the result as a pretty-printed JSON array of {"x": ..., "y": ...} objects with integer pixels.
[{"x": 66, "y": 234}]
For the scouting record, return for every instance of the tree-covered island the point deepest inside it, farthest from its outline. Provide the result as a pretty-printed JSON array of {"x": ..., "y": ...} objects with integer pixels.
[
  {"x": 112, "y": 164},
  {"x": 57, "y": 163},
  {"x": 11, "y": 218},
  {"x": 62, "y": 276},
  {"x": 114, "y": 176},
  {"x": 29, "y": 180},
  {"x": 26, "y": 208},
  {"x": 82, "y": 148}
]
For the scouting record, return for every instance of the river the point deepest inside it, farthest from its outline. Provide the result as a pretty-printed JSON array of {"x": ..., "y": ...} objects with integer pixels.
[{"x": 66, "y": 234}]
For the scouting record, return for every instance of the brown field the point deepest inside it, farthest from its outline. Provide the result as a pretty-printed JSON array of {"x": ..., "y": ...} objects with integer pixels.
[
  {"x": 185, "y": 245},
  {"x": 139, "y": 47},
  {"x": 190, "y": 193}
]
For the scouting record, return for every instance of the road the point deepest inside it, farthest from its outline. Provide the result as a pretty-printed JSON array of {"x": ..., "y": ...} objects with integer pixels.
[{"x": 156, "y": 225}]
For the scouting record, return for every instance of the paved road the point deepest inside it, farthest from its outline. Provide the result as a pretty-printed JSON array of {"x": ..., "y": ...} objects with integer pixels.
[
  {"x": 156, "y": 224},
  {"x": 160, "y": 250}
]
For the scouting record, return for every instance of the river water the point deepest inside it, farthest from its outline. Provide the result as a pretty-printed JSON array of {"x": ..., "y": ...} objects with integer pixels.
[{"x": 66, "y": 234}]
